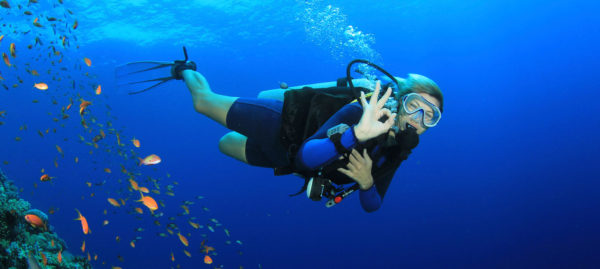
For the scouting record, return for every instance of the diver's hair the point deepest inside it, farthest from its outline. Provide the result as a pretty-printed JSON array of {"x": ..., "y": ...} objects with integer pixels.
[{"x": 420, "y": 84}]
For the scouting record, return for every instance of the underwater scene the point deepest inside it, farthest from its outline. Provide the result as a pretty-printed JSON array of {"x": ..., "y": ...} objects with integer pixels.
[{"x": 267, "y": 134}]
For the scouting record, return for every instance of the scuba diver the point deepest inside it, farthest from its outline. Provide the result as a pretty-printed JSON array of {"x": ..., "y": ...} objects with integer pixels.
[{"x": 331, "y": 134}]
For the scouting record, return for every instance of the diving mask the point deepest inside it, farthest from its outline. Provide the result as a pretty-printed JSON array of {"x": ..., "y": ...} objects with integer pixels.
[{"x": 421, "y": 110}]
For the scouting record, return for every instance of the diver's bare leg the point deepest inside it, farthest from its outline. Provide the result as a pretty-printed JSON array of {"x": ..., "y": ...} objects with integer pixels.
[
  {"x": 214, "y": 106},
  {"x": 233, "y": 144}
]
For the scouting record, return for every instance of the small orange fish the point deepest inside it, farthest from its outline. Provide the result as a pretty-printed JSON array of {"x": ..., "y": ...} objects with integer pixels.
[
  {"x": 13, "y": 51},
  {"x": 84, "y": 104},
  {"x": 41, "y": 86},
  {"x": 134, "y": 184},
  {"x": 35, "y": 73},
  {"x": 187, "y": 253},
  {"x": 144, "y": 190},
  {"x": 6, "y": 61},
  {"x": 89, "y": 257},
  {"x": 149, "y": 202},
  {"x": 107, "y": 170},
  {"x": 207, "y": 259},
  {"x": 151, "y": 159},
  {"x": 113, "y": 202},
  {"x": 87, "y": 61},
  {"x": 1, "y": 37},
  {"x": 139, "y": 210},
  {"x": 83, "y": 246},
  {"x": 59, "y": 257},
  {"x": 132, "y": 243},
  {"x": 84, "y": 224},
  {"x": 195, "y": 225},
  {"x": 44, "y": 259},
  {"x": 136, "y": 143},
  {"x": 172, "y": 257},
  {"x": 183, "y": 240},
  {"x": 98, "y": 90},
  {"x": 105, "y": 223},
  {"x": 59, "y": 150},
  {"x": 52, "y": 243},
  {"x": 46, "y": 177},
  {"x": 75, "y": 24},
  {"x": 35, "y": 221}
]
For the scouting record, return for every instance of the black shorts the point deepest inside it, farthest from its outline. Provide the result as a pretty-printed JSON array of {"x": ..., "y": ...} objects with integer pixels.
[{"x": 260, "y": 121}]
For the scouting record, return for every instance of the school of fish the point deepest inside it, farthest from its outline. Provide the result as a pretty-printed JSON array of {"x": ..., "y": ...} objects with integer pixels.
[{"x": 48, "y": 64}]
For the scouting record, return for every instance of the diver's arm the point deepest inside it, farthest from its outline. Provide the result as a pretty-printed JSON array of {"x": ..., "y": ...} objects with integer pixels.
[
  {"x": 318, "y": 150},
  {"x": 277, "y": 94},
  {"x": 370, "y": 200}
]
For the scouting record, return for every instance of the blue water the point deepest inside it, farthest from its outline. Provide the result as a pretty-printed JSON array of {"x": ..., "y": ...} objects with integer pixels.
[{"x": 507, "y": 180}]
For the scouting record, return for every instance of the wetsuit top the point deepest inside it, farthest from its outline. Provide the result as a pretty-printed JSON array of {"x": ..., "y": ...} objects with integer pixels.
[{"x": 318, "y": 151}]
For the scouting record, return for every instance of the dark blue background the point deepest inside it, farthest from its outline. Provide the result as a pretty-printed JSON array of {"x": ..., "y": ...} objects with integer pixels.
[{"x": 507, "y": 180}]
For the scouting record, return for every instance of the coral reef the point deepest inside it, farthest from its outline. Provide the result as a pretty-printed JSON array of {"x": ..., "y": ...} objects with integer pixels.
[{"x": 23, "y": 245}]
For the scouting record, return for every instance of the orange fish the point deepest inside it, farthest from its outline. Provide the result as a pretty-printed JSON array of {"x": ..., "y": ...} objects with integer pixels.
[
  {"x": 84, "y": 224},
  {"x": 59, "y": 257},
  {"x": 35, "y": 73},
  {"x": 41, "y": 86},
  {"x": 207, "y": 259},
  {"x": 113, "y": 202},
  {"x": 139, "y": 210},
  {"x": 172, "y": 257},
  {"x": 132, "y": 243},
  {"x": 84, "y": 104},
  {"x": 144, "y": 190},
  {"x": 59, "y": 150},
  {"x": 44, "y": 259},
  {"x": 136, "y": 143},
  {"x": 149, "y": 202},
  {"x": 150, "y": 160},
  {"x": 83, "y": 246},
  {"x": 6, "y": 61},
  {"x": 1, "y": 37},
  {"x": 134, "y": 184},
  {"x": 187, "y": 253},
  {"x": 183, "y": 240},
  {"x": 89, "y": 257},
  {"x": 35, "y": 221},
  {"x": 105, "y": 223},
  {"x": 46, "y": 177},
  {"x": 13, "y": 52},
  {"x": 75, "y": 24},
  {"x": 107, "y": 170},
  {"x": 98, "y": 90},
  {"x": 195, "y": 225},
  {"x": 87, "y": 61},
  {"x": 52, "y": 243}
]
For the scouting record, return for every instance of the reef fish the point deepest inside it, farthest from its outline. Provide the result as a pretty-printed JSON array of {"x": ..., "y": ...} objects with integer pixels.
[
  {"x": 35, "y": 221},
  {"x": 113, "y": 202},
  {"x": 41, "y": 86},
  {"x": 149, "y": 202},
  {"x": 150, "y": 160},
  {"x": 136, "y": 143},
  {"x": 183, "y": 240},
  {"x": 208, "y": 259},
  {"x": 84, "y": 224}
]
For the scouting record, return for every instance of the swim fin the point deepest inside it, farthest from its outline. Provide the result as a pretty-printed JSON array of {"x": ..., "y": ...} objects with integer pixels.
[{"x": 134, "y": 76}]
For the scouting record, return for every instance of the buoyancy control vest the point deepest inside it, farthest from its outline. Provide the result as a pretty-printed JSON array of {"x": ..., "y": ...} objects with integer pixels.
[{"x": 306, "y": 110}]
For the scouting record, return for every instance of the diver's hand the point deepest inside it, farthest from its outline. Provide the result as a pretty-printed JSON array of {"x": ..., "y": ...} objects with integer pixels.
[
  {"x": 359, "y": 169},
  {"x": 369, "y": 125}
]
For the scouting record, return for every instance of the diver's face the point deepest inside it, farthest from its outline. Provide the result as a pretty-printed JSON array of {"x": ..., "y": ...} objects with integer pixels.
[{"x": 406, "y": 119}]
